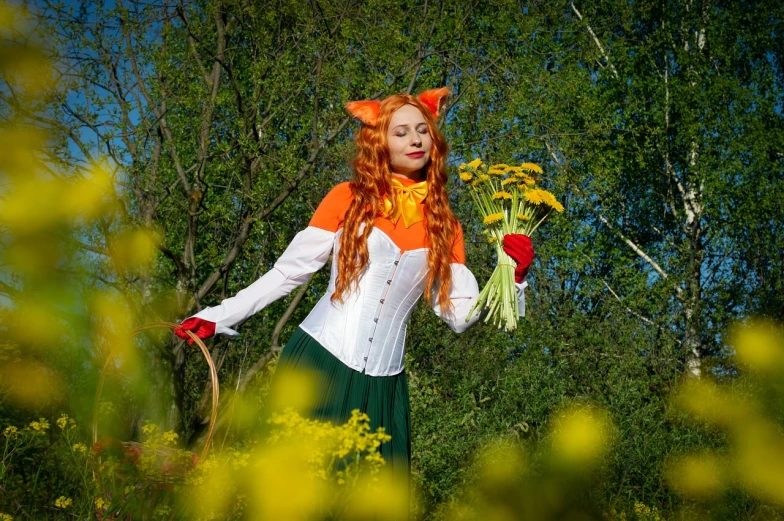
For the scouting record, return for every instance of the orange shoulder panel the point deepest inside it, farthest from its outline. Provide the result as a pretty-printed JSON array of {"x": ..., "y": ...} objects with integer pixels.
[{"x": 330, "y": 213}]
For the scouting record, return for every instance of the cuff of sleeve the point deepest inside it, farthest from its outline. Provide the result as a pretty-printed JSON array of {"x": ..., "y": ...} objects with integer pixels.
[
  {"x": 222, "y": 330},
  {"x": 521, "y": 297},
  {"x": 212, "y": 314}
]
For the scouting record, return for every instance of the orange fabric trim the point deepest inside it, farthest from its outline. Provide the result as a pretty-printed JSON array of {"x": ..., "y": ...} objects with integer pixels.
[{"x": 330, "y": 213}]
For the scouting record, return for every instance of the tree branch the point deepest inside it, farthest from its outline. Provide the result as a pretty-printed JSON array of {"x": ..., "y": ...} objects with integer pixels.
[{"x": 596, "y": 41}]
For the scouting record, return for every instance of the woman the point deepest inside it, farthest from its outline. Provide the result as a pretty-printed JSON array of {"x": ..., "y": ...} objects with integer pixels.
[{"x": 394, "y": 238}]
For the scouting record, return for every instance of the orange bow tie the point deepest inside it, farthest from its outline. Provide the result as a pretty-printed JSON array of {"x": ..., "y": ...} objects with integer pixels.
[{"x": 408, "y": 200}]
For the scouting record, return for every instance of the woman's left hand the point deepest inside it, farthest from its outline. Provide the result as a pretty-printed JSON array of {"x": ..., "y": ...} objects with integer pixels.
[{"x": 520, "y": 248}]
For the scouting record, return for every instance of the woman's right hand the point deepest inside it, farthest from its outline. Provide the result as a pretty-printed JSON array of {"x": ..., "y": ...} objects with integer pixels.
[
  {"x": 200, "y": 327},
  {"x": 520, "y": 248}
]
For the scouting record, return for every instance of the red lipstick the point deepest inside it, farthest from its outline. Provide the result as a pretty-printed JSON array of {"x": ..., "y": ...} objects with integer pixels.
[{"x": 415, "y": 155}]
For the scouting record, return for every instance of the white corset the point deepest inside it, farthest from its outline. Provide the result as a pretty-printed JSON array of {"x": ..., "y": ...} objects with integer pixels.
[{"x": 367, "y": 331}]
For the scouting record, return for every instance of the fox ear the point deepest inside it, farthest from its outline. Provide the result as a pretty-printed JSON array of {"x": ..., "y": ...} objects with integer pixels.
[
  {"x": 365, "y": 111},
  {"x": 433, "y": 99}
]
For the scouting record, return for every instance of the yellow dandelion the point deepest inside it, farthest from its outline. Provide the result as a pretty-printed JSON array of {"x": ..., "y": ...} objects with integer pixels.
[
  {"x": 494, "y": 170},
  {"x": 491, "y": 240},
  {"x": 493, "y": 218},
  {"x": 549, "y": 199},
  {"x": 475, "y": 183},
  {"x": 63, "y": 502},
  {"x": 523, "y": 217},
  {"x": 525, "y": 178},
  {"x": 465, "y": 176},
  {"x": 555, "y": 205},
  {"x": 484, "y": 177},
  {"x": 475, "y": 163},
  {"x": 532, "y": 167},
  {"x": 502, "y": 195},
  {"x": 508, "y": 181},
  {"x": 533, "y": 196}
]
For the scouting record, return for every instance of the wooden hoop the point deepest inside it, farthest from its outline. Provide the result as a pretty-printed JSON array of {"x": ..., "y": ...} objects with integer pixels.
[{"x": 213, "y": 378}]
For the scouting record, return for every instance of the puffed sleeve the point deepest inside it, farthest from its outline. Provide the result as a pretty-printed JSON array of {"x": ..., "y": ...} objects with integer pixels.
[
  {"x": 307, "y": 253},
  {"x": 463, "y": 291}
]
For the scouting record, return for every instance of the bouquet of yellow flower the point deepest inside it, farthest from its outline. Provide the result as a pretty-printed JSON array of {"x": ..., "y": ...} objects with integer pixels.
[{"x": 510, "y": 203}]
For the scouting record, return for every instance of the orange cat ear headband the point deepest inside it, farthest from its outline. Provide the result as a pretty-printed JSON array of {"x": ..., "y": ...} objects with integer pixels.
[{"x": 366, "y": 111}]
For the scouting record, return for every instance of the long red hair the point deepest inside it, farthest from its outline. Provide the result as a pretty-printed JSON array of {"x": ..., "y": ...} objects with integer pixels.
[{"x": 372, "y": 181}]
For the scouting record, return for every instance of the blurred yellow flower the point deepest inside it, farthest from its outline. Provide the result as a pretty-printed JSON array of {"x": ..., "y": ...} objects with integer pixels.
[
  {"x": 91, "y": 196},
  {"x": 63, "y": 502},
  {"x": 133, "y": 250},
  {"x": 523, "y": 217},
  {"x": 10, "y": 432},
  {"x": 475, "y": 163},
  {"x": 101, "y": 503},
  {"x": 696, "y": 475},
  {"x": 508, "y": 181},
  {"x": 381, "y": 497},
  {"x": 5, "y": 517},
  {"x": 284, "y": 487},
  {"x": 80, "y": 448},
  {"x": 759, "y": 346},
  {"x": 30, "y": 383},
  {"x": 465, "y": 176},
  {"x": 580, "y": 436},
  {"x": 712, "y": 403}
]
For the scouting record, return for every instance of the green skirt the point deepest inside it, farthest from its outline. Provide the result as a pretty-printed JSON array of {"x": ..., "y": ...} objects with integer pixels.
[{"x": 342, "y": 389}]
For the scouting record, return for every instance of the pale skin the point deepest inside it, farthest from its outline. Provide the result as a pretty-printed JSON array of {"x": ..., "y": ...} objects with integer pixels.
[{"x": 409, "y": 142}]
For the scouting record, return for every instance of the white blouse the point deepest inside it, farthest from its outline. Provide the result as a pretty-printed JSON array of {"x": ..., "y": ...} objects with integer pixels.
[{"x": 367, "y": 331}]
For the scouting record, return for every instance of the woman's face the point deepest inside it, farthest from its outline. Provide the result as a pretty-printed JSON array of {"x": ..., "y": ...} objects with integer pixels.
[{"x": 409, "y": 141}]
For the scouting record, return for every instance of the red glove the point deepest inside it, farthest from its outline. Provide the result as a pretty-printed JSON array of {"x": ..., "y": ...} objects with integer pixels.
[
  {"x": 519, "y": 247},
  {"x": 200, "y": 327}
]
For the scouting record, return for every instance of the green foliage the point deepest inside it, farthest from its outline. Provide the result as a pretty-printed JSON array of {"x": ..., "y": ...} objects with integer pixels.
[{"x": 658, "y": 125}]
